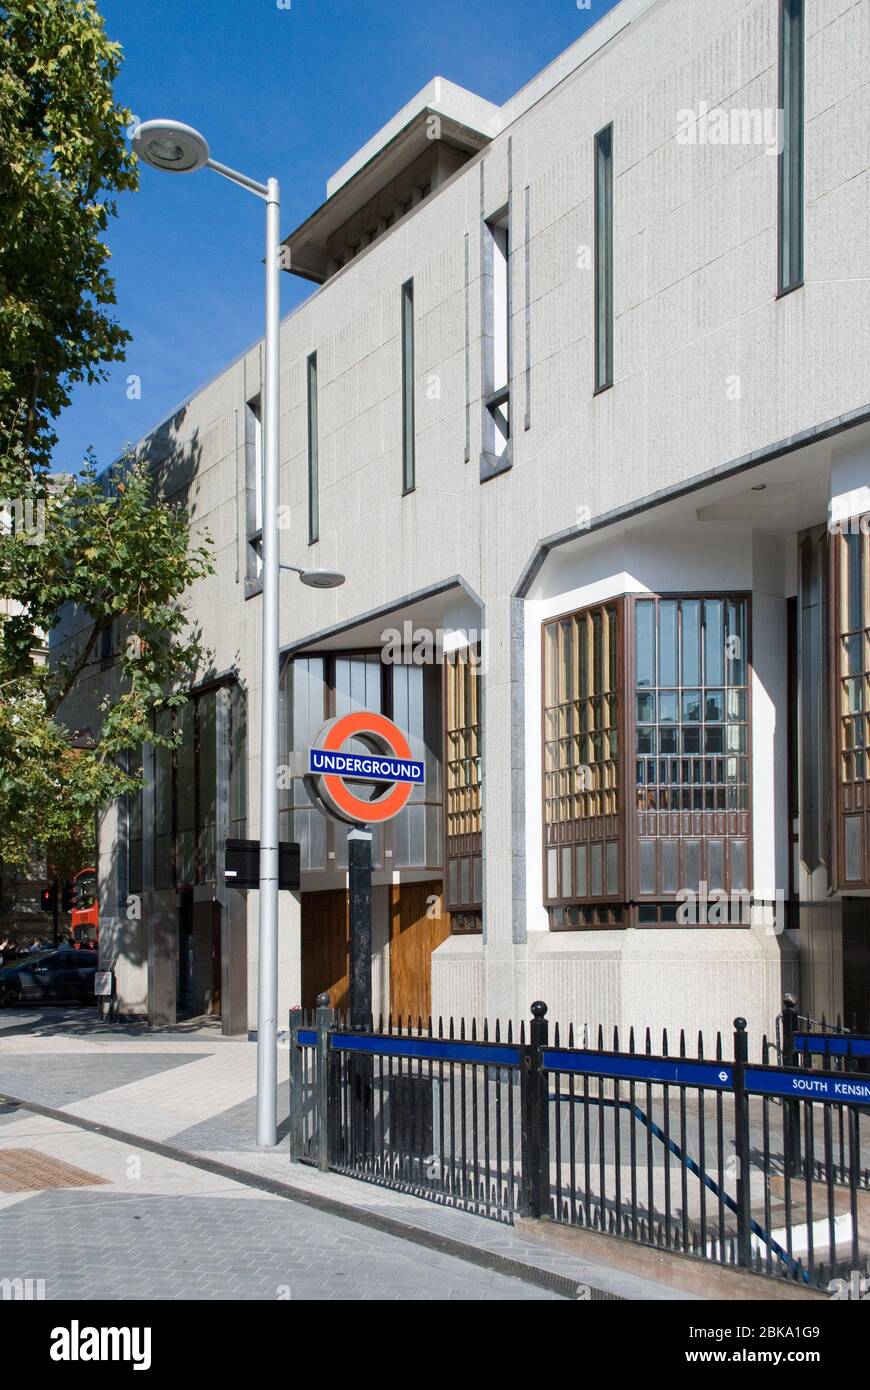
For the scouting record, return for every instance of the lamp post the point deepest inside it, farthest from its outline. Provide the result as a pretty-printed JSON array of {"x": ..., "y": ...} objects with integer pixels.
[{"x": 179, "y": 149}]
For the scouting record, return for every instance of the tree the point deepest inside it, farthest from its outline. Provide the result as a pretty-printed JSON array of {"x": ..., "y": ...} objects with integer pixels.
[
  {"x": 115, "y": 562},
  {"x": 62, "y": 157},
  {"x": 112, "y": 559}
]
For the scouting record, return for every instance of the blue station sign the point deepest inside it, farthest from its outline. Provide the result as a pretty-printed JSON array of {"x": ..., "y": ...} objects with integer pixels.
[
  {"x": 802, "y": 1085},
  {"x": 365, "y": 767}
]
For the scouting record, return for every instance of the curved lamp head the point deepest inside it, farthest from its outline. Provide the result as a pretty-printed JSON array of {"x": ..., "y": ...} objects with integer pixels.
[
  {"x": 171, "y": 145},
  {"x": 321, "y": 579}
]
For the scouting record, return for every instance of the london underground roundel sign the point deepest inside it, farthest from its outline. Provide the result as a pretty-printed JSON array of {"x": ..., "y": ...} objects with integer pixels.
[{"x": 331, "y": 769}]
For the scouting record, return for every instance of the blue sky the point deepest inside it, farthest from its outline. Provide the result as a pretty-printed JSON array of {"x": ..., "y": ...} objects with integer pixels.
[{"x": 288, "y": 92}]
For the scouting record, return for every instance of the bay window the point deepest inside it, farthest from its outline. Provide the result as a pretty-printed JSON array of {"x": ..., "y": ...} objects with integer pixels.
[
  {"x": 852, "y": 667},
  {"x": 665, "y": 678},
  {"x": 583, "y": 805},
  {"x": 463, "y": 863},
  {"x": 691, "y": 743}
]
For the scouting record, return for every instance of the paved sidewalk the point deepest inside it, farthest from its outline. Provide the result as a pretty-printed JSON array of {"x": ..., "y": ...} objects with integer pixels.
[{"x": 193, "y": 1091}]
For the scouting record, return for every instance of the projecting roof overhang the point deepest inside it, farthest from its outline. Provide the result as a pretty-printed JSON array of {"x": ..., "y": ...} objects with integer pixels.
[{"x": 440, "y": 114}]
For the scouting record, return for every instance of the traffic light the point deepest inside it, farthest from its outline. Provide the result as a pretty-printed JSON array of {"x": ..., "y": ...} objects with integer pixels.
[
  {"x": 68, "y": 896},
  {"x": 48, "y": 898}
]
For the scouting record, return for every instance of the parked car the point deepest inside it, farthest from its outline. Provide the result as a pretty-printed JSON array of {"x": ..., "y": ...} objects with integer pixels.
[{"x": 47, "y": 975}]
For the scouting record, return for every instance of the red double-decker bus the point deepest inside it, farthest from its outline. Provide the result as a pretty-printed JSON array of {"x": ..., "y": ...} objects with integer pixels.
[{"x": 85, "y": 909}]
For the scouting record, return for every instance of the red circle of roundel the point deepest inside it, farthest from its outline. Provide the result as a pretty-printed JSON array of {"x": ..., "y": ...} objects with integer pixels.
[{"x": 349, "y": 726}]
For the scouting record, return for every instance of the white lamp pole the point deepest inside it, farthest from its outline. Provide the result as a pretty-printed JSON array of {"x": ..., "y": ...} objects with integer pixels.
[{"x": 179, "y": 149}]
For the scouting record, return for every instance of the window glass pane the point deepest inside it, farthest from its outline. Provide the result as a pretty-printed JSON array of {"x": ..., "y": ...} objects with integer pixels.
[
  {"x": 612, "y": 869},
  {"x": 670, "y": 860},
  {"x": 691, "y": 706},
  {"x": 714, "y": 642},
  {"x": 551, "y": 648},
  {"x": 692, "y": 851},
  {"x": 854, "y": 606},
  {"x": 185, "y": 792},
  {"x": 715, "y": 863},
  {"x": 565, "y": 887},
  {"x": 648, "y": 866},
  {"x": 604, "y": 258},
  {"x": 739, "y": 865},
  {"x": 714, "y": 706},
  {"x": 238, "y": 762},
  {"x": 581, "y": 888},
  {"x": 207, "y": 782},
  {"x": 595, "y": 856},
  {"x": 735, "y": 644},
  {"x": 691, "y": 638},
  {"x": 552, "y": 880},
  {"x": 645, "y": 642},
  {"x": 736, "y": 704},
  {"x": 668, "y": 707},
  {"x": 163, "y": 804},
  {"x": 791, "y": 158},
  {"x": 477, "y": 878},
  {"x": 668, "y": 739},
  {"x": 853, "y": 826},
  {"x": 313, "y": 450},
  {"x": 408, "y": 440},
  {"x": 667, "y": 643}
]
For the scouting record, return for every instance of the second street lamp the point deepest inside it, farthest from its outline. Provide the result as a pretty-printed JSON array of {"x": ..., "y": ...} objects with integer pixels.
[{"x": 176, "y": 148}]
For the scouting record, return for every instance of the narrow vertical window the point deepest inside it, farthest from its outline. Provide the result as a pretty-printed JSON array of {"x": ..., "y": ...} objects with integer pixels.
[
  {"x": 604, "y": 259},
  {"x": 254, "y": 492},
  {"x": 408, "y": 460},
  {"x": 496, "y": 346},
  {"x": 313, "y": 478},
  {"x": 791, "y": 159}
]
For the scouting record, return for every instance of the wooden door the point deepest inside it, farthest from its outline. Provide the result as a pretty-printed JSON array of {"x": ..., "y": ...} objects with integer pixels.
[
  {"x": 325, "y": 927},
  {"x": 414, "y": 935}
]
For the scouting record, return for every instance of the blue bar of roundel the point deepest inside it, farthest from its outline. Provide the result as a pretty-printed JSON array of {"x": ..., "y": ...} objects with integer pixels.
[
  {"x": 307, "y": 1037},
  {"x": 827, "y": 1044},
  {"x": 359, "y": 765},
  {"x": 438, "y": 1049},
  {"x": 839, "y": 1088},
  {"x": 670, "y": 1071}
]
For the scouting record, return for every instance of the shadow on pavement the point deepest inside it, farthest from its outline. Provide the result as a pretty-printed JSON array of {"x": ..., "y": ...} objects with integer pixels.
[{"x": 47, "y": 1021}]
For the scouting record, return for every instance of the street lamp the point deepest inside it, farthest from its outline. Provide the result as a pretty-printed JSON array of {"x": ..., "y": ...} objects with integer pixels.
[
  {"x": 317, "y": 579},
  {"x": 179, "y": 149}
]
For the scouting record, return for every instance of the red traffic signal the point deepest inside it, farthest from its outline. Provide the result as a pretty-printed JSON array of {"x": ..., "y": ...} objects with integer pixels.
[{"x": 47, "y": 898}]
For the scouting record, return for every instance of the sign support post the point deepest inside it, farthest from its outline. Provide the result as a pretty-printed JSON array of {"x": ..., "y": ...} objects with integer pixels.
[{"x": 359, "y": 857}]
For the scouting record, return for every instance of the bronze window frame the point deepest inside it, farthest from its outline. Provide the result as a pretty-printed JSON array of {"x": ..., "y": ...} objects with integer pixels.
[
  {"x": 465, "y": 911},
  {"x": 659, "y": 896},
  {"x": 604, "y": 905},
  {"x": 850, "y": 799},
  {"x": 623, "y": 910}
]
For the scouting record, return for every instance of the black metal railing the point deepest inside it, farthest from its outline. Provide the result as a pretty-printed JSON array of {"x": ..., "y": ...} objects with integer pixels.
[{"x": 762, "y": 1167}]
